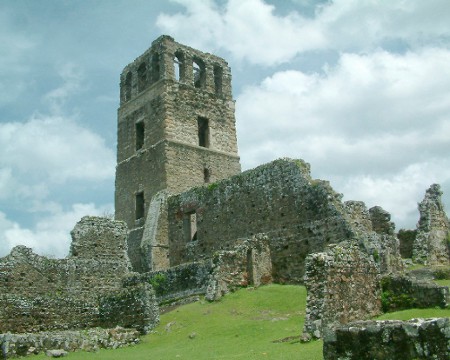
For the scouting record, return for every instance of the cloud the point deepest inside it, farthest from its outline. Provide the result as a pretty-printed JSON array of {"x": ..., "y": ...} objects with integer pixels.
[
  {"x": 51, "y": 234},
  {"x": 249, "y": 30},
  {"x": 367, "y": 123},
  {"x": 72, "y": 77},
  {"x": 252, "y": 31},
  {"x": 55, "y": 150},
  {"x": 45, "y": 162}
]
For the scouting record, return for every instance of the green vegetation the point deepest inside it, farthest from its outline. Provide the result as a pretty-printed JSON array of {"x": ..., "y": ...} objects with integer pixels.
[
  {"x": 243, "y": 325},
  {"x": 443, "y": 282},
  {"x": 213, "y": 186},
  {"x": 158, "y": 282},
  {"x": 415, "y": 313}
]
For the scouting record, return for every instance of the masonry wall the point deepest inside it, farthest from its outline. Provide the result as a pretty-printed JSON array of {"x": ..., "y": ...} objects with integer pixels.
[
  {"x": 299, "y": 215},
  {"x": 343, "y": 285},
  {"x": 37, "y": 293},
  {"x": 389, "y": 340},
  {"x": 432, "y": 242}
]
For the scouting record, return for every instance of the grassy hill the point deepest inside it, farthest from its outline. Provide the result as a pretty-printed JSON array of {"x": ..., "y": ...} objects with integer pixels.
[{"x": 248, "y": 324}]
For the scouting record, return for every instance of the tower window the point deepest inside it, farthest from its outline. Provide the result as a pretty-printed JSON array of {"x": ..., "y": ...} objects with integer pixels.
[
  {"x": 155, "y": 67},
  {"x": 140, "y": 205},
  {"x": 127, "y": 86},
  {"x": 199, "y": 73},
  {"x": 142, "y": 77},
  {"x": 178, "y": 63},
  {"x": 218, "y": 73},
  {"x": 140, "y": 131},
  {"x": 206, "y": 175},
  {"x": 203, "y": 132},
  {"x": 190, "y": 226}
]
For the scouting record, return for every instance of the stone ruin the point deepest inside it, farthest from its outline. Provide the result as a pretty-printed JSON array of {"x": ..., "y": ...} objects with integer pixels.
[
  {"x": 432, "y": 242},
  {"x": 189, "y": 224}
]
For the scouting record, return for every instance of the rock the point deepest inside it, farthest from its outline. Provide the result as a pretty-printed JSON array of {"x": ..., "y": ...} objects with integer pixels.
[{"x": 56, "y": 353}]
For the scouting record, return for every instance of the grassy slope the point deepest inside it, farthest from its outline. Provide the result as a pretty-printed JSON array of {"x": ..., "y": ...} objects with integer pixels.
[{"x": 243, "y": 325}]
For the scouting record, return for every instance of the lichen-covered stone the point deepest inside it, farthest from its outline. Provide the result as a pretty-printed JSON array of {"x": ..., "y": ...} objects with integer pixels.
[
  {"x": 432, "y": 243},
  {"x": 18, "y": 345},
  {"x": 248, "y": 264},
  {"x": 343, "y": 285},
  {"x": 39, "y": 294},
  {"x": 389, "y": 340}
]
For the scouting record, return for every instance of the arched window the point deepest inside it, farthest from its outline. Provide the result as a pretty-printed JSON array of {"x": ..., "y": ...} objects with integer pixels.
[
  {"x": 218, "y": 74},
  {"x": 156, "y": 68},
  {"x": 178, "y": 63},
  {"x": 142, "y": 77},
  {"x": 199, "y": 73},
  {"x": 127, "y": 86}
]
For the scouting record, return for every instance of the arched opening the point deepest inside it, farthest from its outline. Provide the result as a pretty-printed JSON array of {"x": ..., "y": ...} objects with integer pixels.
[
  {"x": 127, "y": 86},
  {"x": 156, "y": 68},
  {"x": 199, "y": 73},
  {"x": 178, "y": 63},
  {"x": 142, "y": 77},
  {"x": 218, "y": 74}
]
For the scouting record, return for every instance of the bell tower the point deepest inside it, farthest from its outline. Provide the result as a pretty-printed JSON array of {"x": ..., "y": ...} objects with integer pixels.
[{"x": 176, "y": 127}]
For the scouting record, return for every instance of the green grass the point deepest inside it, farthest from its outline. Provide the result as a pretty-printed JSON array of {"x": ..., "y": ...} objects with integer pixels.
[
  {"x": 243, "y": 325},
  {"x": 443, "y": 282},
  {"x": 415, "y": 313}
]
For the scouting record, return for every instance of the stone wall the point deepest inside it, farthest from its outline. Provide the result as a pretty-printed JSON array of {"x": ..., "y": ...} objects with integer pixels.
[
  {"x": 299, "y": 215},
  {"x": 432, "y": 243},
  {"x": 248, "y": 264},
  {"x": 403, "y": 292},
  {"x": 342, "y": 285},
  {"x": 18, "y": 345},
  {"x": 178, "y": 282},
  {"x": 375, "y": 233},
  {"x": 38, "y": 294},
  {"x": 389, "y": 340}
]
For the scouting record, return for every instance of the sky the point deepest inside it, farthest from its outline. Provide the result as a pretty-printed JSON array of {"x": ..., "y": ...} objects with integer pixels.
[{"x": 360, "y": 89}]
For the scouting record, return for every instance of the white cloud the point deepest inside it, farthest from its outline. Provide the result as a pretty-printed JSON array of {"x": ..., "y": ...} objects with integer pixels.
[
  {"x": 251, "y": 30},
  {"x": 51, "y": 234},
  {"x": 368, "y": 124},
  {"x": 247, "y": 29},
  {"x": 54, "y": 149}
]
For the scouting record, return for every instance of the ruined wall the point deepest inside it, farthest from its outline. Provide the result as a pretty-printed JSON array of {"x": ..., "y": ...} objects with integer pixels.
[
  {"x": 403, "y": 292},
  {"x": 432, "y": 243},
  {"x": 248, "y": 264},
  {"x": 342, "y": 285},
  {"x": 299, "y": 215},
  {"x": 389, "y": 340},
  {"x": 18, "y": 345},
  {"x": 178, "y": 282},
  {"x": 375, "y": 233},
  {"x": 37, "y": 293}
]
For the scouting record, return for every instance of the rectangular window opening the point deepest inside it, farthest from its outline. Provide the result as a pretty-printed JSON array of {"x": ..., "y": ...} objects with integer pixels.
[
  {"x": 190, "y": 226},
  {"x": 203, "y": 132},
  {"x": 206, "y": 175},
  {"x": 140, "y": 205},
  {"x": 140, "y": 132},
  {"x": 218, "y": 74}
]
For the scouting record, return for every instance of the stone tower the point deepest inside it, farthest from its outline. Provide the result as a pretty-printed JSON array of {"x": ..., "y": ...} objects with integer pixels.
[{"x": 176, "y": 127}]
